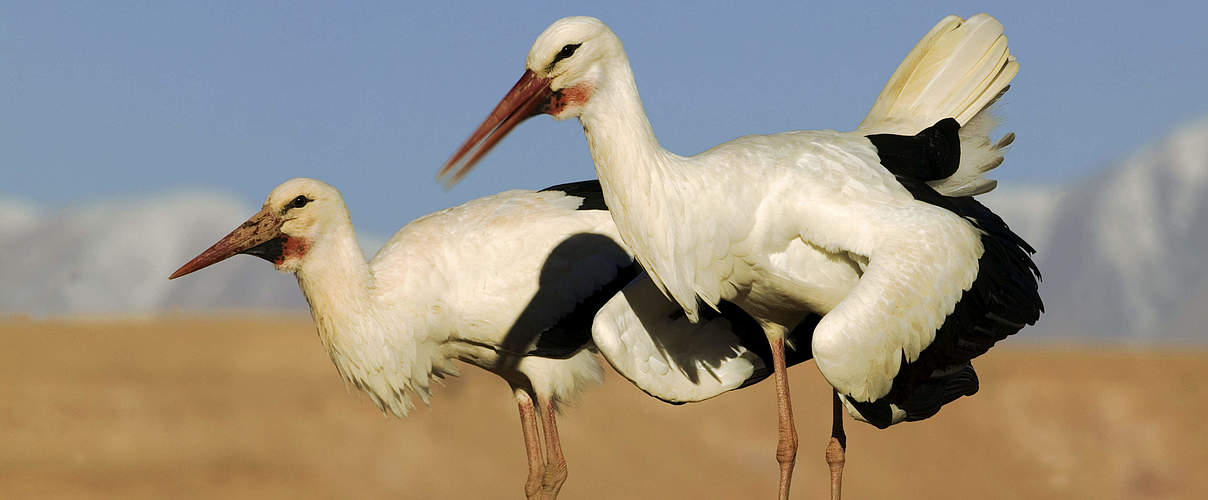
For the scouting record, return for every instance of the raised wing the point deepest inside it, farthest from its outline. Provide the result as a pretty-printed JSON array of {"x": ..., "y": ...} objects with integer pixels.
[
  {"x": 958, "y": 70},
  {"x": 955, "y": 71}
]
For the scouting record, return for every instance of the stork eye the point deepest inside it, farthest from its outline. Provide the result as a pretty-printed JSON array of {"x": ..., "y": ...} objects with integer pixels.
[
  {"x": 567, "y": 51},
  {"x": 298, "y": 202}
]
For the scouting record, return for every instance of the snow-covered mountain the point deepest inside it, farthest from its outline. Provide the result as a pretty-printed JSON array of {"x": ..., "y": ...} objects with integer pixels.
[
  {"x": 115, "y": 258},
  {"x": 1127, "y": 248},
  {"x": 1027, "y": 209},
  {"x": 1123, "y": 253}
]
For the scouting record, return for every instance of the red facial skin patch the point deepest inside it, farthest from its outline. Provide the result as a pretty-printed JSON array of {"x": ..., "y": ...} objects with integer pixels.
[
  {"x": 294, "y": 248},
  {"x": 571, "y": 96}
]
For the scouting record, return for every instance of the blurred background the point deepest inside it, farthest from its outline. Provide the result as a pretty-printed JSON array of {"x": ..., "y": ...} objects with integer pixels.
[{"x": 134, "y": 134}]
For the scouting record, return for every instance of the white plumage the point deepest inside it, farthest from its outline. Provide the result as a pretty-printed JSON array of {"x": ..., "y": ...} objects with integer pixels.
[
  {"x": 649, "y": 341},
  {"x": 460, "y": 284},
  {"x": 509, "y": 283},
  {"x": 875, "y": 232}
]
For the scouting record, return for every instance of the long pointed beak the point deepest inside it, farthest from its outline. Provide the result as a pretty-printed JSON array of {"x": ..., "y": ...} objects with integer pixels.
[
  {"x": 258, "y": 236},
  {"x": 528, "y": 98}
]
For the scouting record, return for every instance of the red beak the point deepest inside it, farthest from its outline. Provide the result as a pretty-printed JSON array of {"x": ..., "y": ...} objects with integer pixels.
[
  {"x": 529, "y": 97},
  {"x": 260, "y": 236}
]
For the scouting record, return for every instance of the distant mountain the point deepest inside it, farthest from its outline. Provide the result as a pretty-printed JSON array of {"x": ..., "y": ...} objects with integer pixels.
[
  {"x": 1128, "y": 247},
  {"x": 1123, "y": 253},
  {"x": 1027, "y": 209},
  {"x": 16, "y": 216},
  {"x": 115, "y": 257}
]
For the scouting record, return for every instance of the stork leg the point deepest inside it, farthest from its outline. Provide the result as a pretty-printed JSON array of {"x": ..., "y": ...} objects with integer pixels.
[
  {"x": 836, "y": 449},
  {"x": 786, "y": 445},
  {"x": 555, "y": 463},
  {"x": 532, "y": 443}
]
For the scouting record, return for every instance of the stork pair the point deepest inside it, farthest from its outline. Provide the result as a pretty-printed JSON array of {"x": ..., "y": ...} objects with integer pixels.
[{"x": 865, "y": 250}]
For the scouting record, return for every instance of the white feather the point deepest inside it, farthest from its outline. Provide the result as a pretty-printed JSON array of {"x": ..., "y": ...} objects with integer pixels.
[
  {"x": 664, "y": 354},
  {"x": 957, "y": 70},
  {"x": 450, "y": 286},
  {"x": 720, "y": 224}
]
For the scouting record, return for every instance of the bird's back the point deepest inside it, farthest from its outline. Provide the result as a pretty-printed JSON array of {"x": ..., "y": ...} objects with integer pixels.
[
  {"x": 497, "y": 273},
  {"x": 764, "y": 205}
]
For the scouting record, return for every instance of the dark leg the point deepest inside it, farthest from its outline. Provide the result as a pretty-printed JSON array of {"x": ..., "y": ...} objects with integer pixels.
[{"x": 836, "y": 449}]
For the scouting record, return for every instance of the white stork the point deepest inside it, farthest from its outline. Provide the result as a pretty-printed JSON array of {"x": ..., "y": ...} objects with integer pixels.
[
  {"x": 509, "y": 283},
  {"x": 875, "y": 229}
]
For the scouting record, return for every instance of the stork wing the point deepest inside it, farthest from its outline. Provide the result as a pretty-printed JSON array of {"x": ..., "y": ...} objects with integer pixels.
[
  {"x": 578, "y": 276},
  {"x": 899, "y": 345},
  {"x": 958, "y": 70},
  {"x": 521, "y": 272},
  {"x": 955, "y": 71},
  {"x": 648, "y": 340}
]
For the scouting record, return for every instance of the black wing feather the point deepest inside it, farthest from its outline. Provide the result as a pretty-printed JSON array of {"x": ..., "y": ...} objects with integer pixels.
[
  {"x": 1001, "y": 301},
  {"x": 590, "y": 191},
  {"x": 930, "y": 155}
]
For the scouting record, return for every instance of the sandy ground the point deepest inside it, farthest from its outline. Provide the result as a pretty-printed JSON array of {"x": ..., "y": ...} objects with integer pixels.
[{"x": 252, "y": 408}]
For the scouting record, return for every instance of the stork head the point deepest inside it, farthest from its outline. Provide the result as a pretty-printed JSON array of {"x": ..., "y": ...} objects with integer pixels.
[
  {"x": 563, "y": 70},
  {"x": 294, "y": 217},
  {"x": 569, "y": 58}
]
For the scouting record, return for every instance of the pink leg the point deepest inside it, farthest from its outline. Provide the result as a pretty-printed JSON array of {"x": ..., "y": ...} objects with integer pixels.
[
  {"x": 836, "y": 449},
  {"x": 532, "y": 443},
  {"x": 786, "y": 445},
  {"x": 555, "y": 469}
]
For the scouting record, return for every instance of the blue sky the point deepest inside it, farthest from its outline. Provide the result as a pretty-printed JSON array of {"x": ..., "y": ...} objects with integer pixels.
[{"x": 117, "y": 99}]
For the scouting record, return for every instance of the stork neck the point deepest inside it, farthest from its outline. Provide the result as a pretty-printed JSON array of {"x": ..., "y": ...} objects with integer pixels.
[
  {"x": 619, "y": 134},
  {"x": 336, "y": 281},
  {"x": 633, "y": 169},
  {"x": 373, "y": 347}
]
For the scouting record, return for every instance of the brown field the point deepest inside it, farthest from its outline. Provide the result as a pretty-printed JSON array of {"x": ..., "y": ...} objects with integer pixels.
[{"x": 252, "y": 408}]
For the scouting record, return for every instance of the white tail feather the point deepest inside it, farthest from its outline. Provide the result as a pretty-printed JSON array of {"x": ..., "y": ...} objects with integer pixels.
[{"x": 958, "y": 70}]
